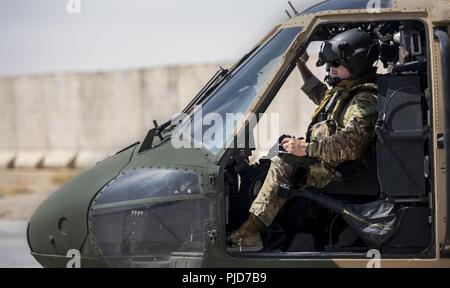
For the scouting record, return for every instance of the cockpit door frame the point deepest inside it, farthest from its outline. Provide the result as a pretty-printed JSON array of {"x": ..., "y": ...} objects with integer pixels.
[{"x": 444, "y": 43}]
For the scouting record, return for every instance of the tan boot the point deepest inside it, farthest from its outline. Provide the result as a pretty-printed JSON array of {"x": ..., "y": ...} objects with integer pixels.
[{"x": 247, "y": 238}]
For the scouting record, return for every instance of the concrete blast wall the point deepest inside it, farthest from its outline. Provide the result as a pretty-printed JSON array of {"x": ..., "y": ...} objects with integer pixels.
[{"x": 78, "y": 119}]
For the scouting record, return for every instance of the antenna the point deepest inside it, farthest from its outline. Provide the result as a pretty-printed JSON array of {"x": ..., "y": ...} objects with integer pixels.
[
  {"x": 289, "y": 15},
  {"x": 293, "y": 8}
]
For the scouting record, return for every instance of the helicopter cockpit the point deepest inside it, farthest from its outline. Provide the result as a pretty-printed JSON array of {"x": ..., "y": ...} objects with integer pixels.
[{"x": 388, "y": 206}]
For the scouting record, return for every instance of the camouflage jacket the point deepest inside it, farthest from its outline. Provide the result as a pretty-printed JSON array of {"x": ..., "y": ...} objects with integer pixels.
[{"x": 343, "y": 126}]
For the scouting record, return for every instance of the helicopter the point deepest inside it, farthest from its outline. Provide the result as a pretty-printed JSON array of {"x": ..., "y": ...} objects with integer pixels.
[{"x": 154, "y": 205}]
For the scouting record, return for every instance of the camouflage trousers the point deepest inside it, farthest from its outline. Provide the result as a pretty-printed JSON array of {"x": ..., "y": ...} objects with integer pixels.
[{"x": 267, "y": 204}]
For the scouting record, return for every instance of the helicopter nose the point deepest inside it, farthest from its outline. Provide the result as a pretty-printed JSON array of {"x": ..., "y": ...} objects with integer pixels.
[{"x": 60, "y": 223}]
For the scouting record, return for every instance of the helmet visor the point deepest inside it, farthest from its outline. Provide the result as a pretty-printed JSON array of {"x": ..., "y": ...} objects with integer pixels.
[{"x": 327, "y": 55}]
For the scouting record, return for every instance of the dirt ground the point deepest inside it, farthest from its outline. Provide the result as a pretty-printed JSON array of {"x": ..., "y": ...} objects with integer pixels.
[{"x": 22, "y": 190}]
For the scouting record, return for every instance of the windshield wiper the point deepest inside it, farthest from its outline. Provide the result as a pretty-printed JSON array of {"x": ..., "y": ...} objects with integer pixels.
[
  {"x": 246, "y": 56},
  {"x": 211, "y": 83},
  {"x": 216, "y": 80}
]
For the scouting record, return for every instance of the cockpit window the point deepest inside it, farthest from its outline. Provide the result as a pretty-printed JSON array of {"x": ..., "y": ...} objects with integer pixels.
[
  {"x": 347, "y": 4},
  {"x": 150, "y": 218},
  {"x": 236, "y": 94}
]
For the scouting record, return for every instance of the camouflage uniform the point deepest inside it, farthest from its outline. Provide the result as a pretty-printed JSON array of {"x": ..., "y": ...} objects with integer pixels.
[{"x": 341, "y": 131}]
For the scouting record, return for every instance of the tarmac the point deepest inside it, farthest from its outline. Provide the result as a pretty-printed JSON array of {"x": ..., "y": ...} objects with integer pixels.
[{"x": 14, "y": 251}]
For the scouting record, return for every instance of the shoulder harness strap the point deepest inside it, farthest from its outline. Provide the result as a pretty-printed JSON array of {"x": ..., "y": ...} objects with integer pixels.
[{"x": 349, "y": 94}]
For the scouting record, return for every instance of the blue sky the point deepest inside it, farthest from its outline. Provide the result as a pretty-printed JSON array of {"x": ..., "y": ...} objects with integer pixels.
[{"x": 39, "y": 36}]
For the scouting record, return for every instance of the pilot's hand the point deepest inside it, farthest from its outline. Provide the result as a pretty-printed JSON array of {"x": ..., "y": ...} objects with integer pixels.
[{"x": 294, "y": 146}]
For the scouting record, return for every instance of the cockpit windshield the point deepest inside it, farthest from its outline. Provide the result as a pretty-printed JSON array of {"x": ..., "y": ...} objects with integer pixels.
[{"x": 236, "y": 94}]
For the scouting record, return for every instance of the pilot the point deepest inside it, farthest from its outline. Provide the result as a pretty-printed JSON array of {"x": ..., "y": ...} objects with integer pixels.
[{"x": 341, "y": 133}]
